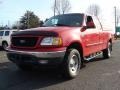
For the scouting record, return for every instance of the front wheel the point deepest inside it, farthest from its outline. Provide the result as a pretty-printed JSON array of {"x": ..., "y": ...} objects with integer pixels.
[
  {"x": 4, "y": 45},
  {"x": 107, "y": 51},
  {"x": 72, "y": 63}
]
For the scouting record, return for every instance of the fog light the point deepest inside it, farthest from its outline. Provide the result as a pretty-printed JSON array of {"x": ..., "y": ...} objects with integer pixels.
[{"x": 43, "y": 61}]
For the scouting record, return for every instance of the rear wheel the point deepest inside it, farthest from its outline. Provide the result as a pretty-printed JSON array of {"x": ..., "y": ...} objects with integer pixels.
[
  {"x": 107, "y": 51},
  {"x": 4, "y": 45},
  {"x": 72, "y": 63}
]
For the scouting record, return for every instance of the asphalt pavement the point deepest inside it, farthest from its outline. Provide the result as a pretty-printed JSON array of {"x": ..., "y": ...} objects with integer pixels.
[{"x": 98, "y": 74}]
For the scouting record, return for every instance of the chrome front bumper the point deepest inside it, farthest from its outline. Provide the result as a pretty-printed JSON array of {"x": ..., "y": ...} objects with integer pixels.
[
  {"x": 39, "y": 54},
  {"x": 29, "y": 57}
]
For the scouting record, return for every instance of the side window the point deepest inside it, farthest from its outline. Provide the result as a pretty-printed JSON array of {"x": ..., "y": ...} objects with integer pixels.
[
  {"x": 1, "y": 33},
  {"x": 90, "y": 22},
  {"x": 7, "y": 33}
]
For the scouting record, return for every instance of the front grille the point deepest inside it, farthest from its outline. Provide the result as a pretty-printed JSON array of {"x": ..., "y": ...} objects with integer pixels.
[{"x": 24, "y": 41}]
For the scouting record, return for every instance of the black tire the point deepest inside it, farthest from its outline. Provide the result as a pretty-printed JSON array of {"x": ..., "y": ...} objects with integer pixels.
[
  {"x": 24, "y": 67},
  {"x": 4, "y": 45},
  {"x": 72, "y": 63},
  {"x": 107, "y": 51}
]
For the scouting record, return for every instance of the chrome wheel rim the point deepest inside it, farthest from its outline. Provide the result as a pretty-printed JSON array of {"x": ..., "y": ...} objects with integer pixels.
[
  {"x": 5, "y": 46},
  {"x": 109, "y": 50},
  {"x": 73, "y": 64}
]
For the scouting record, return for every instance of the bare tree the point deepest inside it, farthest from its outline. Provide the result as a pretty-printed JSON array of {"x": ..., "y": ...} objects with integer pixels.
[
  {"x": 93, "y": 9},
  {"x": 61, "y": 6}
]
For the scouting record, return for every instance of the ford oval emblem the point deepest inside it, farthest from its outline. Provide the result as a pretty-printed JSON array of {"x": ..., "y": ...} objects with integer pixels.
[{"x": 22, "y": 41}]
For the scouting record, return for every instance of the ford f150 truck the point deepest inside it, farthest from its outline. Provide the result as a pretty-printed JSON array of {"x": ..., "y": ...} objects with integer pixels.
[{"x": 64, "y": 40}]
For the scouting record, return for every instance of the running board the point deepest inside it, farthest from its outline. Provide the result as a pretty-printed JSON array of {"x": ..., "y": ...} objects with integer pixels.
[{"x": 92, "y": 56}]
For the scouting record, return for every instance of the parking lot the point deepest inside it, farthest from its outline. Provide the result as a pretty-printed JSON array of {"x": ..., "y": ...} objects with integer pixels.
[{"x": 98, "y": 74}]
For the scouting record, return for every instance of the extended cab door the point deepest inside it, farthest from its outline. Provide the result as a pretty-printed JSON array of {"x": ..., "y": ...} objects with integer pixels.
[{"x": 91, "y": 36}]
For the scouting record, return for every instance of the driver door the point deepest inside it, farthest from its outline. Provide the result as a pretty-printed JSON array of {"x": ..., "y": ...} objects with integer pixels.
[{"x": 91, "y": 37}]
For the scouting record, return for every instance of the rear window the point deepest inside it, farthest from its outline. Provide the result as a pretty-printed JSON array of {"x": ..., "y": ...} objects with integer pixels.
[
  {"x": 7, "y": 33},
  {"x": 1, "y": 33}
]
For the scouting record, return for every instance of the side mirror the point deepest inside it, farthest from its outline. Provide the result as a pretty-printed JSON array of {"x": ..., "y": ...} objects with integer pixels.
[
  {"x": 83, "y": 28},
  {"x": 90, "y": 25}
]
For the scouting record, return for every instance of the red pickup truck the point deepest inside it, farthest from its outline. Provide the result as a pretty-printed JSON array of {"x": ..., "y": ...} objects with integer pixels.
[{"x": 64, "y": 41}]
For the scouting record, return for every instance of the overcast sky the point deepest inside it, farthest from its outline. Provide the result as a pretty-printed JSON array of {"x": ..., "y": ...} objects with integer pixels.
[{"x": 12, "y": 10}]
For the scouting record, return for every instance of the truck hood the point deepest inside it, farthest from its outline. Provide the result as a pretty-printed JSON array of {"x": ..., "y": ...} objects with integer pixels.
[{"x": 44, "y": 31}]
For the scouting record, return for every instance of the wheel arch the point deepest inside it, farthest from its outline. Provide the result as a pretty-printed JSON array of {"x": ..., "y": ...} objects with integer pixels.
[
  {"x": 4, "y": 41},
  {"x": 78, "y": 46},
  {"x": 110, "y": 40}
]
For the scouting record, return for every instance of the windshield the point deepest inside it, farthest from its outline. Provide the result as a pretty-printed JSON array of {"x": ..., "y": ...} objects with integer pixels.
[{"x": 73, "y": 20}]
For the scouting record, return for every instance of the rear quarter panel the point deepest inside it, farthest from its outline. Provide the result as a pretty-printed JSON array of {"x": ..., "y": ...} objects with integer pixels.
[{"x": 107, "y": 35}]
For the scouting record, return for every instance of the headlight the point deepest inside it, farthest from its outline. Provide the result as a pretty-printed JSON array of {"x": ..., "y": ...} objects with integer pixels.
[{"x": 51, "y": 41}]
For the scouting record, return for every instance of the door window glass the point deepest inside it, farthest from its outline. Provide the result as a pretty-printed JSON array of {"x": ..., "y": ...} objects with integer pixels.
[
  {"x": 1, "y": 33},
  {"x": 7, "y": 33}
]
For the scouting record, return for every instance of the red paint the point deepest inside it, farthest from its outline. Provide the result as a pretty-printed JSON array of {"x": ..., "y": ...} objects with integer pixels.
[{"x": 91, "y": 39}]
